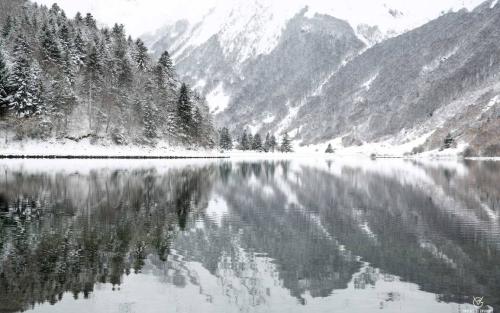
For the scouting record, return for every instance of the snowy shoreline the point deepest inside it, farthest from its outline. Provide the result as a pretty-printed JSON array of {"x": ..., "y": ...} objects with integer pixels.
[{"x": 86, "y": 150}]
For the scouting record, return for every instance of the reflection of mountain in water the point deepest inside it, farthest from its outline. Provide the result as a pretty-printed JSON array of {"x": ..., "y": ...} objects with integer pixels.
[{"x": 257, "y": 228}]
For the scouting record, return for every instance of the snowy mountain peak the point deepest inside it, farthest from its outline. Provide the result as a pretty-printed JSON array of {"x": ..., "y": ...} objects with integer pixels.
[{"x": 246, "y": 29}]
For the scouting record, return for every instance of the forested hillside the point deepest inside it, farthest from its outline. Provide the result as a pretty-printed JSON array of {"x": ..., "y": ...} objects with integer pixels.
[{"x": 66, "y": 79}]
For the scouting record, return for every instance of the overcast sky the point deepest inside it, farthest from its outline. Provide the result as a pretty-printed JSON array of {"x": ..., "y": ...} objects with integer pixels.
[
  {"x": 142, "y": 16},
  {"x": 139, "y": 16}
]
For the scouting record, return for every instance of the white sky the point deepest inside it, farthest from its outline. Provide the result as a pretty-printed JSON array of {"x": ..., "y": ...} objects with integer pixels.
[
  {"x": 142, "y": 16},
  {"x": 139, "y": 16}
]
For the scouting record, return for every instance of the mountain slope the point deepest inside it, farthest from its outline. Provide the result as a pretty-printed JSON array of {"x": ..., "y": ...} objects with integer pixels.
[
  {"x": 347, "y": 83},
  {"x": 417, "y": 82}
]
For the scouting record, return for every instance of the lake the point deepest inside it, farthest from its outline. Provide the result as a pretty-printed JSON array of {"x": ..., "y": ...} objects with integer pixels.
[{"x": 340, "y": 235}]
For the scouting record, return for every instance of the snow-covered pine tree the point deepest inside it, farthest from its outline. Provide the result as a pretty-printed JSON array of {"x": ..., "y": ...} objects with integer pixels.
[
  {"x": 8, "y": 26},
  {"x": 93, "y": 77},
  {"x": 164, "y": 71},
  {"x": 50, "y": 47},
  {"x": 273, "y": 143},
  {"x": 257, "y": 143},
  {"x": 90, "y": 21},
  {"x": 329, "y": 149},
  {"x": 286, "y": 144},
  {"x": 184, "y": 114},
  {"x": 79, "y": 49},
  {"x": 244, "y": 141},
  {"x": 267, "y": 143},
  {"x": 24, "y": 100},
  {"x": 197, "y": 129},
  {"x": 4, "y": 79},
  {"x": 141, "y": 55},
  {"x": 150, "y": 120},
  {"x": 250, "y": 141}
]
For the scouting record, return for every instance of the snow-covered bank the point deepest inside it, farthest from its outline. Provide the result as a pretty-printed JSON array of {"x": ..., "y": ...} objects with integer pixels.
[{"x": 85, "y": 149}]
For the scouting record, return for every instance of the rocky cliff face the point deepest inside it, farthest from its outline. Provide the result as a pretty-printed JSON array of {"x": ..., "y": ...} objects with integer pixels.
[{"x": 324, "y": 80}]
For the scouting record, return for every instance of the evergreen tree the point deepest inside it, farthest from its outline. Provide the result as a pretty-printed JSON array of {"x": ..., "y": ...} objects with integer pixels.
[
  {"x": 78, "y": 18},
  {"x": 197, "y": 124},
  {"x": 50, "y": 49},
  {"x": 164, "y": 71},
  {"x": 92, "y": 79},
  {"x": 141, "y": 55},
  {"x": 8, "y": 26},
  {"x": 286, "y": 144},
  {"x": 79, "y": 46},
  {"x": 90, "y": 21},
  {"x": 184, "y": 113},
  {"x": 225, "y": 141},
  {"x": 250, "y": 141},
  {"x": 273, "y": 143},
  {"x": 24, "y": 99},
  {"x": 244, "y": 143},
  {"x": 329, "y": 149},
  {"x": 448, "y": 141},
  {"x": 4, "y": 79},
  {"x": 257, "y": 143},
  {"x": 149, "y": 120},
  {"x": 267, "y": 143}
]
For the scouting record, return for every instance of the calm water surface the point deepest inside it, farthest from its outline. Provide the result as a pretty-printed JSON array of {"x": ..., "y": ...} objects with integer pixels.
[{"x": 270, "y": 236}]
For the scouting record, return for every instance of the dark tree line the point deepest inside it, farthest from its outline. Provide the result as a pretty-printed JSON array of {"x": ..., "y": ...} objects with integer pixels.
[
  {"x": 67, "y": 78},
  {"x": 249, "y": 142}
]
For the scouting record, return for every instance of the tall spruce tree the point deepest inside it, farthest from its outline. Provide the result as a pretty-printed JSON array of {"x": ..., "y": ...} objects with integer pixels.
[
  {"x": 141, "y": 55},
  {"x": 267, "y": 143},
  {"x": 225, "y": 140},
  {"x": 257, "y": 143},
  {"x": 25, "y": 99},
  {"x": 164, "y": 71},
  {"x": 184, "y": 113},
  {"x": 286, "y": 144},
  {"x": 50, "y": 48},
  {"x": 4, "y": 79},
  {"x": 244, "y": 142}
]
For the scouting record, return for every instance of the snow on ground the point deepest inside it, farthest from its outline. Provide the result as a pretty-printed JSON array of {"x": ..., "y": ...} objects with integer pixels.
[
  {"x": 436, "y": 63},
  {"x": 85, "y": 148},
  {"x": 367, "y": 85},
  {"x": 495, "y": 100},
  {"x": 218, "y": 100}
]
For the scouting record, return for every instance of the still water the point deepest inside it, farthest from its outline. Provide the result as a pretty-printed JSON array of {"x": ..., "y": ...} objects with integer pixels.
[{"x": 267, "y": 236}]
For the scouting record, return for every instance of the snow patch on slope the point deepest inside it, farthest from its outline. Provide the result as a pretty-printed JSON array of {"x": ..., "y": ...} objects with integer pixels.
[{"x": 218, "y": 100}]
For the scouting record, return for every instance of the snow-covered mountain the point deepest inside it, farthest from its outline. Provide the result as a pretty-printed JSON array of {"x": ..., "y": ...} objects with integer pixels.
[{"x": 277, "y": 68}]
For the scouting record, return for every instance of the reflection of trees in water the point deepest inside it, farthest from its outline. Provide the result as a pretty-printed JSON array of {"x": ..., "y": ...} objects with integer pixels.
[
  {"x": 434, "y": 235},
  {"x": 397, "y": 223},
  {"x": 67, "y": 232}
]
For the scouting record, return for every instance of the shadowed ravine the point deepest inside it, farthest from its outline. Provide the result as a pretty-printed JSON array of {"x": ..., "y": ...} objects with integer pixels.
[{"x": 270, "y": 236}]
